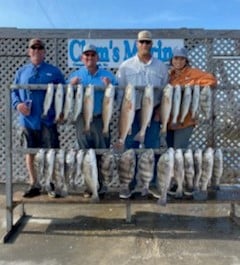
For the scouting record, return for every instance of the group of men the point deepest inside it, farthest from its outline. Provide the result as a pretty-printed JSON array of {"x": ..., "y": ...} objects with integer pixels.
[{"x": 41, "y": 132}]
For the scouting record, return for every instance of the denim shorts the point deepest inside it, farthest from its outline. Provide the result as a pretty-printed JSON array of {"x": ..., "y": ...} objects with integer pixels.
[{"x": 47, "y": 137}]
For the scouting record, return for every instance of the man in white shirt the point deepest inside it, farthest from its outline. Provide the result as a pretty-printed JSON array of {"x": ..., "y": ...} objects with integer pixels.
[{"x": 142, "y": 70}]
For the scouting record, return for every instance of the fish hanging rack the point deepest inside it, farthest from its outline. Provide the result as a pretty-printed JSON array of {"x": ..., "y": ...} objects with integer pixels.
[{"x": 231, "y": 195}]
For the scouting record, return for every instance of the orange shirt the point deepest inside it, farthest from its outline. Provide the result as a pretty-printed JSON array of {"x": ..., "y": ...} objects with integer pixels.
[{"x": 191, "y": 76}]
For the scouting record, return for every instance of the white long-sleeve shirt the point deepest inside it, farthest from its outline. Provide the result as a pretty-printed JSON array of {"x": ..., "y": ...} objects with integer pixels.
[{"x": 139, "y": 74}]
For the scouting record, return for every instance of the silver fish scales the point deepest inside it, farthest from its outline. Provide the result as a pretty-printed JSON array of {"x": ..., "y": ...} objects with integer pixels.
[
  {"x": 197, "y": 158},
  {"x": 145, "y": 168},
  {"x": 58, "y": 101},
  {"x": 126, "y": 172},
  {"x": 179, "y": 172},
  {"x": 48, "y": 99},
  {"x": 189, "y": 169},
  {"x": 207, "y": 168},
  {"x": 217, "y": 167}
]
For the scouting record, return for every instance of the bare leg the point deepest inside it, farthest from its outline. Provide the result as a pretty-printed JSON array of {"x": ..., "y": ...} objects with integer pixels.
[{"x": 30, "y": 168}]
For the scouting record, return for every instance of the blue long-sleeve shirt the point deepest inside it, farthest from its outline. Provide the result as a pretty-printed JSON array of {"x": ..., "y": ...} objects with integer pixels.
[
  {"x": 86, "y": 78},
  {"x": 30, "y": 74}
]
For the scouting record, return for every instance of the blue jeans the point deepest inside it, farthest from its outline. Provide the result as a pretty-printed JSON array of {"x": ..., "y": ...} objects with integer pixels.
[
  {"x": 179, "y": 138},
  {"x": 152, "y": 137}
]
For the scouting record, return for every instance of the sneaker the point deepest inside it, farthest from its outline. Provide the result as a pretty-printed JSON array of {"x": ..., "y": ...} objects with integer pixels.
[
  {"x": 32, "y": 192},
  {"x": 125, "y": 194}
]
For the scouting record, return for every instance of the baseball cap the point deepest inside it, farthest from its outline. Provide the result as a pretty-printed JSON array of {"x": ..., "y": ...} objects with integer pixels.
[
  {"x": 36, "y": 41},
  {"x": 89, "y": 47},
  {"x": 145, "y": 35},
  {"x": 180, "y": 51}
]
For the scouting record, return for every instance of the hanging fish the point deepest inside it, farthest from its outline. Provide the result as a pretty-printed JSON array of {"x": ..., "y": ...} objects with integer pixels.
[
  {"x": 197, "y": 158},
  {"x": 207, "y": 168},
  {"x": 88, "y": 106},
  {"x": 177, "y": 95},
  {"x": 189, "y": 169},
  {"x": 90, "y": 173},
  {"x": 206, "y": 101},
  {"x": 70, "y": 167},
  {"x": 78, "y": 102},
  {"x": 195, "y": 100},
  {"x": 58, "y": 102},
  {"x": 61, "y": 185},
  {"x": 145, "y": 168},
  {"x": 68, "y": 104},
  {"x": 48, "y": 99},
  {"x": 186, "y": 102},
  {"x": 126, "y": 172},
  {"x": 79, "y": 178},
  {"x": 179, "y": 172},
  {"x": 108, "y": 102},
  {"x": 146, "y": 113},
  {"x": 217, "y": 168}
]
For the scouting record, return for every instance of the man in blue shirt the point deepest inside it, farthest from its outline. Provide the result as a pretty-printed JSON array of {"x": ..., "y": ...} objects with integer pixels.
[
  {"x": 40, "y": 132},
  {"x": 91, "y": 74}
]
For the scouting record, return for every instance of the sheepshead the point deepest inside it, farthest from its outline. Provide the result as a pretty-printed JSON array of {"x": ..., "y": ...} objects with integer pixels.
[
  {"x": 126, "y": 172},
  {"x": 197, "y": 158},
  {"x": 50, "y": 163},
  {"x": 195, "y": 100},
  {"x": 90, "y": 173},
  {"x": 145, "y": 168},
  {"x": 179, "y": 172},
  {"x": 165, "y": 172},
  {"x": 48, "y": 99},
  {"x": 39, "y": 163},
  {"x": 166, "y": 106},
  {"x": 127, "y": 112},
  {"x": 88, "y": 106},
  {"x": 78, "y": 102},
  {"x": 61, "y": 185},
  {"x": 177, "y": 95},
  {"x": 207, "y": 168},
  {"x": 107, "y": 164},
  {"x": 79, "y": 179},
  {"x": 217, "y": 168},
  {"x": 68, "y": 104},
  {"x": 189, "y": 169},
  {"x": 186, "y": 102},
  {"x": 146, "y": 112},
  {"x": 70, "y": 167},
  {"x": 58, "y": 101},
  {"x": 206, "y": 101},
  {"x": 107, "y": 111}
]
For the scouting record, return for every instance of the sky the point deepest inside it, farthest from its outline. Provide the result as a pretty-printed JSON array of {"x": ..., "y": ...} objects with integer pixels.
[{"x": 124, "y": 14}]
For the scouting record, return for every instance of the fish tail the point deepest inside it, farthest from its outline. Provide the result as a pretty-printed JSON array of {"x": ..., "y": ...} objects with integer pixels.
[
  {"x": 162, "y": 201},
  {"x": 139, "y": 137}
]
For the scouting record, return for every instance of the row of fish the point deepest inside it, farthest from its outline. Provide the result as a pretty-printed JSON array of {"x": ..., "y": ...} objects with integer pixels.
[
  {"x": 178, "y": 101},
  {"x": 66, "y": 170},
  {"x": 71, "y": 103},
  {"x": 188, "y": 170}
]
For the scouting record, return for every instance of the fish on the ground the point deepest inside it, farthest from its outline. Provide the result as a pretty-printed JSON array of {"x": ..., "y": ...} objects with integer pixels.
[
  {"x": 79, "y": 179},
  {"x": 197, "y": 158},
  {"x": 189, "y": 169},
  {"x": 108, "y": 104},
  {"x": 195, "y": 100},
  {"x": 166, "y": 106},
  {"x": 107, "y": 164},
  {"x": 90, "y": 173},
  {"x": 207, "y": 168},
  {"x": 186, "y": 102},
  {"x": 50, "y": 164},
  {"x": 176, "y": 104},
  {"x": 126, "y": 172},
  {"x": 179, "y": 172},
  {"x": 68, "y": 104},
  {"x": 70, "y": 167},
  {"x": 217, "y": 167},
  {"x": 165, "y": 173},
  {"x": 48, "y": 99},
  {"x": 206, "y": 101},
  {"x": 146, "y": 112},
  {"x": 61, "y": 188},
  {"x": 88, "y": 106},
  {"x": 127, "y": 112},
  {"x": 78, "y": 102},
  {"x": 39, "y": 165},
  {"x": 145, "y": 171},
  {"x": 58, "y": 101}
]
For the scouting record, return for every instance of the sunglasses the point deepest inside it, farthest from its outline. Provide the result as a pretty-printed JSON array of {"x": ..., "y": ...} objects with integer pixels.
[
  {"x": 145, "y": 41},
  {"x": 90, "y": 54},
  {"x": 37, "y": 47}
]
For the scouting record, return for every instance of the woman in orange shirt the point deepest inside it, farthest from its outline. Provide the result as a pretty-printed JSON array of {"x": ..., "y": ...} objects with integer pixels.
[{"x": 181, "y": 73}]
